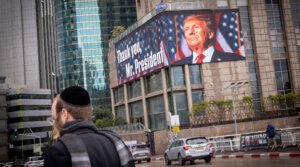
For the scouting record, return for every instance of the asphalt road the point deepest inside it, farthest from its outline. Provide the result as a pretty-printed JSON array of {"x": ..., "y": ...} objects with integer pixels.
[{"x": 234, "y": 162}]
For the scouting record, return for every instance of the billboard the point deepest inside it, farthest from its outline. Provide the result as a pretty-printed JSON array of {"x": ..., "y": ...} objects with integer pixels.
[{"x": 177, "y": 38}]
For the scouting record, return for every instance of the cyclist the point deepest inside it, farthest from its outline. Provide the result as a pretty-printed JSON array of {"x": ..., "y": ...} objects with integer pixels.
[{"x": 271, "y": 133}]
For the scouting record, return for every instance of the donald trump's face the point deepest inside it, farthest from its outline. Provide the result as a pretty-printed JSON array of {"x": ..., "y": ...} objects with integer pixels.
[{"x": 196, "y": 34}]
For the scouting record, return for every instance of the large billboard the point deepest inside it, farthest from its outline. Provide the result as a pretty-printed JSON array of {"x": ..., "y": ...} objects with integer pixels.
[{"x": 177, "y": 38}]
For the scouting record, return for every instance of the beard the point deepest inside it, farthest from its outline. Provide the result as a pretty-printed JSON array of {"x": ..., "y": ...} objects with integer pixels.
[{"x": 57, "y": 126}]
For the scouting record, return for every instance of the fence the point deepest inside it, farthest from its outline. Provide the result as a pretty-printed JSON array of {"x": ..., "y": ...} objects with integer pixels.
[
  {"x": 221, "y": 112},
  {"x": 130, "y": 128},
  {"x": 289, "y": 137}
]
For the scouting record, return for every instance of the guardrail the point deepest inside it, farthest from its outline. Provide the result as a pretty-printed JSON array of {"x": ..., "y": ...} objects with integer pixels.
[
  {"x": 130, "y": 128},
  {"x": 289, "y": 137}
]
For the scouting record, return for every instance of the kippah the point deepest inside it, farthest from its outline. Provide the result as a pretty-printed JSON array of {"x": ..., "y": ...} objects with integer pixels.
[{"x": 75, "y": 95}]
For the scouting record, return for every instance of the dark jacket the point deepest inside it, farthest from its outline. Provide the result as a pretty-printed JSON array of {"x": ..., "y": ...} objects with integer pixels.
[
  {"x": 101, "y": 151},
  {"x": 216, "y": 57},
  {"x": 270, "y": 131}
]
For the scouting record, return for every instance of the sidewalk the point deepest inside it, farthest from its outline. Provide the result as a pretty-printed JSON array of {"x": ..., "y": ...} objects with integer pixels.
[{"x": 293, "y": 152}]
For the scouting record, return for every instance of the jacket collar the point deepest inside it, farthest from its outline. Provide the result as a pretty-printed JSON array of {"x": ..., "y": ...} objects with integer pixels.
[{"x": 75, "y": 125}]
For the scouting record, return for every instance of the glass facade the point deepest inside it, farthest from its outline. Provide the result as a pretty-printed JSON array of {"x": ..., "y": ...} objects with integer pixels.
[
  {"x": 83, "y": 31},
  {"x": 178, "y": 76},
  {"x": 279, "y": 54},
  {"x": 136, "y": 114},
  {"x": 153, "y": 82},
  {"x": 156, "y": 113},
  {"x": 181, "y": 108},
  {"x": 195, "y": 74},
  {"x": 134, "y": 89},
  {"x": 120, "y": 112},
  {"x": 295, "y": 7}
]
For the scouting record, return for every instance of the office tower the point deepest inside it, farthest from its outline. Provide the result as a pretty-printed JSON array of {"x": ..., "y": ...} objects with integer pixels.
[
  {"x": 83, "y": 31},
  {"x": 27, "y": 48},
  {"x": 28, "y": 124}
]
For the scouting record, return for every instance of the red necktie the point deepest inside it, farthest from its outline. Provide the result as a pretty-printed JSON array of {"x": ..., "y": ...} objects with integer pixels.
[{"x": 200, "y": 58}]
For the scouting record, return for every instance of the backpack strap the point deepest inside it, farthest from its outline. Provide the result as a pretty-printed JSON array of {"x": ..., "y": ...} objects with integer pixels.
[
  {"x": 125, "y": 155},
  {"x": 77, "y": 150}
]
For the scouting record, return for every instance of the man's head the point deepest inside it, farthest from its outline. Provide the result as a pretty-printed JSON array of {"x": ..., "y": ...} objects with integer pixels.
[
  {"x": 72, "y": 104},
  {"x": 198, "y": 32}
]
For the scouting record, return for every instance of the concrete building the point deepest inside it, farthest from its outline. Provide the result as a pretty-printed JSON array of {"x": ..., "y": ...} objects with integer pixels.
[
  {"x": 27, "y": 44},
  {"x": 3, "y": 127},
  {"x": 28, "y": 111},
  {"x": 271, "y": 40},
  {"x": 83, "y": 31}
]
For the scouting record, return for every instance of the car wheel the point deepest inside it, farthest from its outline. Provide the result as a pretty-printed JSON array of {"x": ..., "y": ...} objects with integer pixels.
[
  {"x": 181, "y": 161},
  {"x": 148, "y": 160},
  {"x": 207, "y": 159},
  {"x": 167, "y": 161}
]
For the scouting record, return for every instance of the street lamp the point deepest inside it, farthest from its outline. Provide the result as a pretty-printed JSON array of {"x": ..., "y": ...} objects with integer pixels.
[
  {"x": 34, "y": 137},
  {"x": 234, "y": 86}
]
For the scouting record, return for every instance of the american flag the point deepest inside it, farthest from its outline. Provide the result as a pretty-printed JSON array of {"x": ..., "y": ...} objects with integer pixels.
[{"x": 228, "y": 34}]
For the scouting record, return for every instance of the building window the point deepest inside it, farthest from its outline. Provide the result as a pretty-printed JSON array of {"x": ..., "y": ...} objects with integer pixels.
[
  {"x": 156, "y": 113},
  {"x": 197, "y": 96},
  {"x": 246, "y": 29},
  {"x": 181, "y": 107},
  {"x": 119, "y": 94},
  {"x": 254, "y": 85},
  {"x": 153, "y": 82},
  {"x": 195, "y": 74},
  {"x": 282, "y": 76},
  {"x": 295, "y": 7},
  {"x": 136, "y": 114},
  {"x": 120, "y": 112},
  {"x": 178, "y": 76},
  {"x": 134, "y": 89},
  {"x": 275, "y": 26}
]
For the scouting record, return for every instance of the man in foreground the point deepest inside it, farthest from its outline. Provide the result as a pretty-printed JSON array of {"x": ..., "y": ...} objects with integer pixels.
[{"x": 78, "y": 141}]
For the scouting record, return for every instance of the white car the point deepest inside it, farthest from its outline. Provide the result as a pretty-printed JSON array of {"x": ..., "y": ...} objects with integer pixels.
[
  {"x": 34, "y": 161},
  {"x": 140, "y": 152},
  {"x": 188, "y": 149}
]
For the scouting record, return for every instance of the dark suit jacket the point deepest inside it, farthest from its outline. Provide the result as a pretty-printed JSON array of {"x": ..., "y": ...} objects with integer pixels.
[{"x": 216, "y": 57}]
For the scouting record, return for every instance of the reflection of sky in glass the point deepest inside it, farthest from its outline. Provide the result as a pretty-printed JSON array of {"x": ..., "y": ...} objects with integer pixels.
[{"x": 83, "y": 30}]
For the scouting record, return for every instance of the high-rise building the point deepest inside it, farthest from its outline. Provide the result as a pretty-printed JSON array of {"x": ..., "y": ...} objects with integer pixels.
[
  {"x": 150, "y": 84},
  {"x": 27, "y": 47},
  {"x": 3, "y": 127},
  {"x": 28, "y": 124},
  {"x": 83, "y": 31}
]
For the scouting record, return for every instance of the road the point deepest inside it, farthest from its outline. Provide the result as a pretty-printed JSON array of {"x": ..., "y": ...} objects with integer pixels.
[{"x": 234, "y": 162}]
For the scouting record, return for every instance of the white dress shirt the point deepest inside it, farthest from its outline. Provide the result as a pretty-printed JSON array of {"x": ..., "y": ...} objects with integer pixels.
[{"x": 207, "y": 53}]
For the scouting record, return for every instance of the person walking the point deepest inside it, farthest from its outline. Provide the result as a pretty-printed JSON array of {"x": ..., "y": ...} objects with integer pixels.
[
  {"x": 78, "y": 141},
  {"x": 271, "y": 133}
]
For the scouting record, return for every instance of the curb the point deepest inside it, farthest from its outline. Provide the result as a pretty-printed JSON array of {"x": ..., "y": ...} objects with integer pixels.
[
  {"x": 258, "y": 155},
  {"x": 252, "y": 155}
]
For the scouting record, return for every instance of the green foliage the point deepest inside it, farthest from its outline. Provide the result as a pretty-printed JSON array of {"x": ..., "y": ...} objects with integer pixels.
[
  {"x": 104, "y": 118},
  {"x": 247, "y": 99},
  {"x": 102, "y": 112},
  {"x": 117, "y": 30}
]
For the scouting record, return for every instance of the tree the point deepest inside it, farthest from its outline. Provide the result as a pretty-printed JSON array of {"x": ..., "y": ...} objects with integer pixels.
[
  {"x": 104, "y": 118},
  {"x": 117, "y": 30}
]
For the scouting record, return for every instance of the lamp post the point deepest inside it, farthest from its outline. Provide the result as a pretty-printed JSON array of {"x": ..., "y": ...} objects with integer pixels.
[
  {"x": 34, "y": 137},
  {"x": 234, "y": 86}
]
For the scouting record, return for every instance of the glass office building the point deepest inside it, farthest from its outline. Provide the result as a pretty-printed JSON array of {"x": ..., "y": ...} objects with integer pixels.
[{"x": 83, "y": 30}]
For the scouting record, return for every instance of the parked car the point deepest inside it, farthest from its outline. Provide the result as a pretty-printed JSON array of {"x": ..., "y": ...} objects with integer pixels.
[
  {"x": 188, "y": 149},
  {"x": 8, "y": 164},
  {"x": 34, "y": 161},
  {"x": 140, "y": 152}
]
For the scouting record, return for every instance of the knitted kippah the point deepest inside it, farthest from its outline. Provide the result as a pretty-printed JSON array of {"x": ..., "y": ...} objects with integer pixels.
[{"x": 75, "y": 95}]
